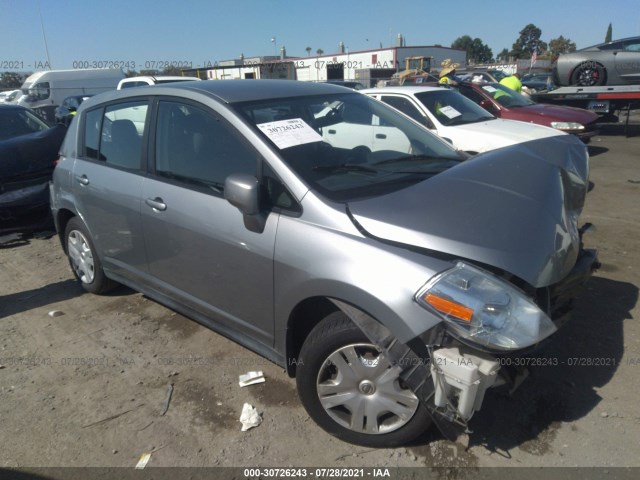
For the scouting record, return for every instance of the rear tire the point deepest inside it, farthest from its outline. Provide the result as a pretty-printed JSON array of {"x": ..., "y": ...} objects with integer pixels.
[
  {"x": 589, "y": 74},
  {"x": 347, "y": 386},
  {"x": 84, "y": 260}
]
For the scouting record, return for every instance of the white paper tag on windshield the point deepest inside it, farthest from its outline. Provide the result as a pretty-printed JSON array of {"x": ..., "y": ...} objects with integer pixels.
[
  {"x": 490, "y": 89},
  {"x": 289, "y": 133},
  {"x": 450, "y": 112}
]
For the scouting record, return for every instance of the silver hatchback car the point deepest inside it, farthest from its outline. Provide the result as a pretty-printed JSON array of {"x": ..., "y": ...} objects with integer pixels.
[{"x": 331, "y": 234}]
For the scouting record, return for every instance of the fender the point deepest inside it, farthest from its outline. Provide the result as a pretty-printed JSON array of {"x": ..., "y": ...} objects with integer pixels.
[{"x": 412, "y": 361}]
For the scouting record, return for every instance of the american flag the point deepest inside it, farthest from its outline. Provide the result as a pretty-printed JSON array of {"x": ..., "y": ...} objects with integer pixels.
[{"x": 534, "y": 57}]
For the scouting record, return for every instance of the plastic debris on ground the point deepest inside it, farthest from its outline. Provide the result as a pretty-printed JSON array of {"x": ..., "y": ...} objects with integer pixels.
[
  {"x": 55, "y": 313},
  {"x": 251, "y": 378},
  {"x": 144, "y": 459},
  {"x": 167, "y": 399},
  {"x": 249, "y": 417}
]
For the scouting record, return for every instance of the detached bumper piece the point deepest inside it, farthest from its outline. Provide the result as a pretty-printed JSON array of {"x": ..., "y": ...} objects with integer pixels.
[{"x": 462, "y": 377}]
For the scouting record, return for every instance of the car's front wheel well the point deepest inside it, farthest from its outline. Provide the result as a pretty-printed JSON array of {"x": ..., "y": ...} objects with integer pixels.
[
  {"x": 304, "y": 317},
  {"x": 62, "y": 218}
]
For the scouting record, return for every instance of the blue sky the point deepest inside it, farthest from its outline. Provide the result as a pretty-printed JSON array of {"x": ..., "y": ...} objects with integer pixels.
[{"x": 200, "y": 31}]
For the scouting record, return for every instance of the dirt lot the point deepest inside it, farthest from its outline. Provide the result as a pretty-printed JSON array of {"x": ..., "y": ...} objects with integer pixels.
[{"x": 88, "y": 387}]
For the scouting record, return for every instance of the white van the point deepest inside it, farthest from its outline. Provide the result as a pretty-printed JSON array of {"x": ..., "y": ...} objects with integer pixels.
[
  {"x": 44, "y": 91},
  {"x": 145, "y": 80}
]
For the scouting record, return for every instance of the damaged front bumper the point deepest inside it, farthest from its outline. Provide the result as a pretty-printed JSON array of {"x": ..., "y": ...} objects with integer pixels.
[{"x": 450, "y": 378}]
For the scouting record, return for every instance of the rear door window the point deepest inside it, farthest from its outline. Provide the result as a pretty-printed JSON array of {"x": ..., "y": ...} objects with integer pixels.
[{"x": 114, "y": 134}]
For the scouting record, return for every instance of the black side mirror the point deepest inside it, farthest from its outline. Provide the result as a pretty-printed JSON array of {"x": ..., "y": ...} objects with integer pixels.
[{"x": 243, "y": 192}]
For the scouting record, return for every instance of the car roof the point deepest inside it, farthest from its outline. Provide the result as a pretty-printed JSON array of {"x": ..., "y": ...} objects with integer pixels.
[
  {"x": 12, "y": 106},
  {"x": 608, "y": 43},
  {"x": 408, "y": 89},
  {"x": 342, "y": 82},
  {"x": 159, "y": 77},
  {"x": 230, "y": 91}
]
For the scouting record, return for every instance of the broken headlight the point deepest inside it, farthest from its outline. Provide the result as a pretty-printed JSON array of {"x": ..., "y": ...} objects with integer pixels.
[{"x": 484, "y": 309}]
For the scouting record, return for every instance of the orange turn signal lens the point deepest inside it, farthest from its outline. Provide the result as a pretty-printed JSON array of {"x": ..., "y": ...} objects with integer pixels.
[{"x": 448, "y": 307}]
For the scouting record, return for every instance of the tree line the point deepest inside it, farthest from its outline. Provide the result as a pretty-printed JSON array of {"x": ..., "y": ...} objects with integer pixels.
[{"x": 528, "y": 42}]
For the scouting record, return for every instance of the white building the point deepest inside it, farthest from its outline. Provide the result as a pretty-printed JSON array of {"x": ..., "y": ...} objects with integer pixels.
[{"x": 367, "y": 66}]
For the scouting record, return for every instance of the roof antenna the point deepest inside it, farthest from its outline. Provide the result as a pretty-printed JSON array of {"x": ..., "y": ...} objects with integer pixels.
[{"x": 46, "y": 47}]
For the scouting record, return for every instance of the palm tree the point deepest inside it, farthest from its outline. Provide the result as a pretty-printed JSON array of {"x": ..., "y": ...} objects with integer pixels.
[
  {"x": 308, "y": 49},
  {"x": 319, "y": 51}
]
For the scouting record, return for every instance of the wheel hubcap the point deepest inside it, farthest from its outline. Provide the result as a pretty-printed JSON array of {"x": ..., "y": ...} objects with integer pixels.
[
  {"x": 588, "y": 76},
  {"x": 367, "y": 387},
  {"x": 359, "y": 390},
  {"x": 80, "y": 256}
]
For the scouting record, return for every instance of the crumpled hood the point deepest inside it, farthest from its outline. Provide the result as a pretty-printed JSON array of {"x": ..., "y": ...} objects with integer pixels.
[
  {"x": 496, "y": 133},
  {"x": 515, "y": 208}
]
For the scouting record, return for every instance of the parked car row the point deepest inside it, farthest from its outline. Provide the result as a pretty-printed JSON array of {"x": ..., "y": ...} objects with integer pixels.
[
  {"x": 385, "y": 269},
  {"x": 445, "y": 112},
  {"x": 457, "y": 119}
]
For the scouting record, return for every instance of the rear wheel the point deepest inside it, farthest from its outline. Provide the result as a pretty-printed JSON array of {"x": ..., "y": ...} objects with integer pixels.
[
  {"x": 348, "y": 387},
  {"x": 589, "y": 74},
  {"x": 83, "y": 259}
]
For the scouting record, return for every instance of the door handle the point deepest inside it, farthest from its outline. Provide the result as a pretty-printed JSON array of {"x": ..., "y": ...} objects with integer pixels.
[
  {"x": 82, "y": 179},
  {"x": 156, "y": 203},
  {"x": 381, "y": 135},
  {"x": 332, "y": 131}
]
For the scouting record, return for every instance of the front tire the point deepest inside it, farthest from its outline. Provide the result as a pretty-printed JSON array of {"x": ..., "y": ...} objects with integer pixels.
[
  {"x": 84, "y": 260},
  {"x": 349, "y": 388}
]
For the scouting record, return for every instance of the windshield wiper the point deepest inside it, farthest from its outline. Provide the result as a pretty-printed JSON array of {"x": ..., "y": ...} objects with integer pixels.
[
  {"x": 408, "y": 158},
  {"x": 215, "y": 186},
  {"x": 475, "y": 120},
  {"x": 345, "y": 167}
]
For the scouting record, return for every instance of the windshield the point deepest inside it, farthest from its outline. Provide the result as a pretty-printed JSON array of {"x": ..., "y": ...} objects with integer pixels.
[
  {"x": 506, "y": 97},
  {"x": 450, "y": 108},
  {"x": 347, "y": 145},
  {"x": 15, "y": 122},
  {"x": 498, "y": 74},
  {"x": 536, "y": 77}
]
